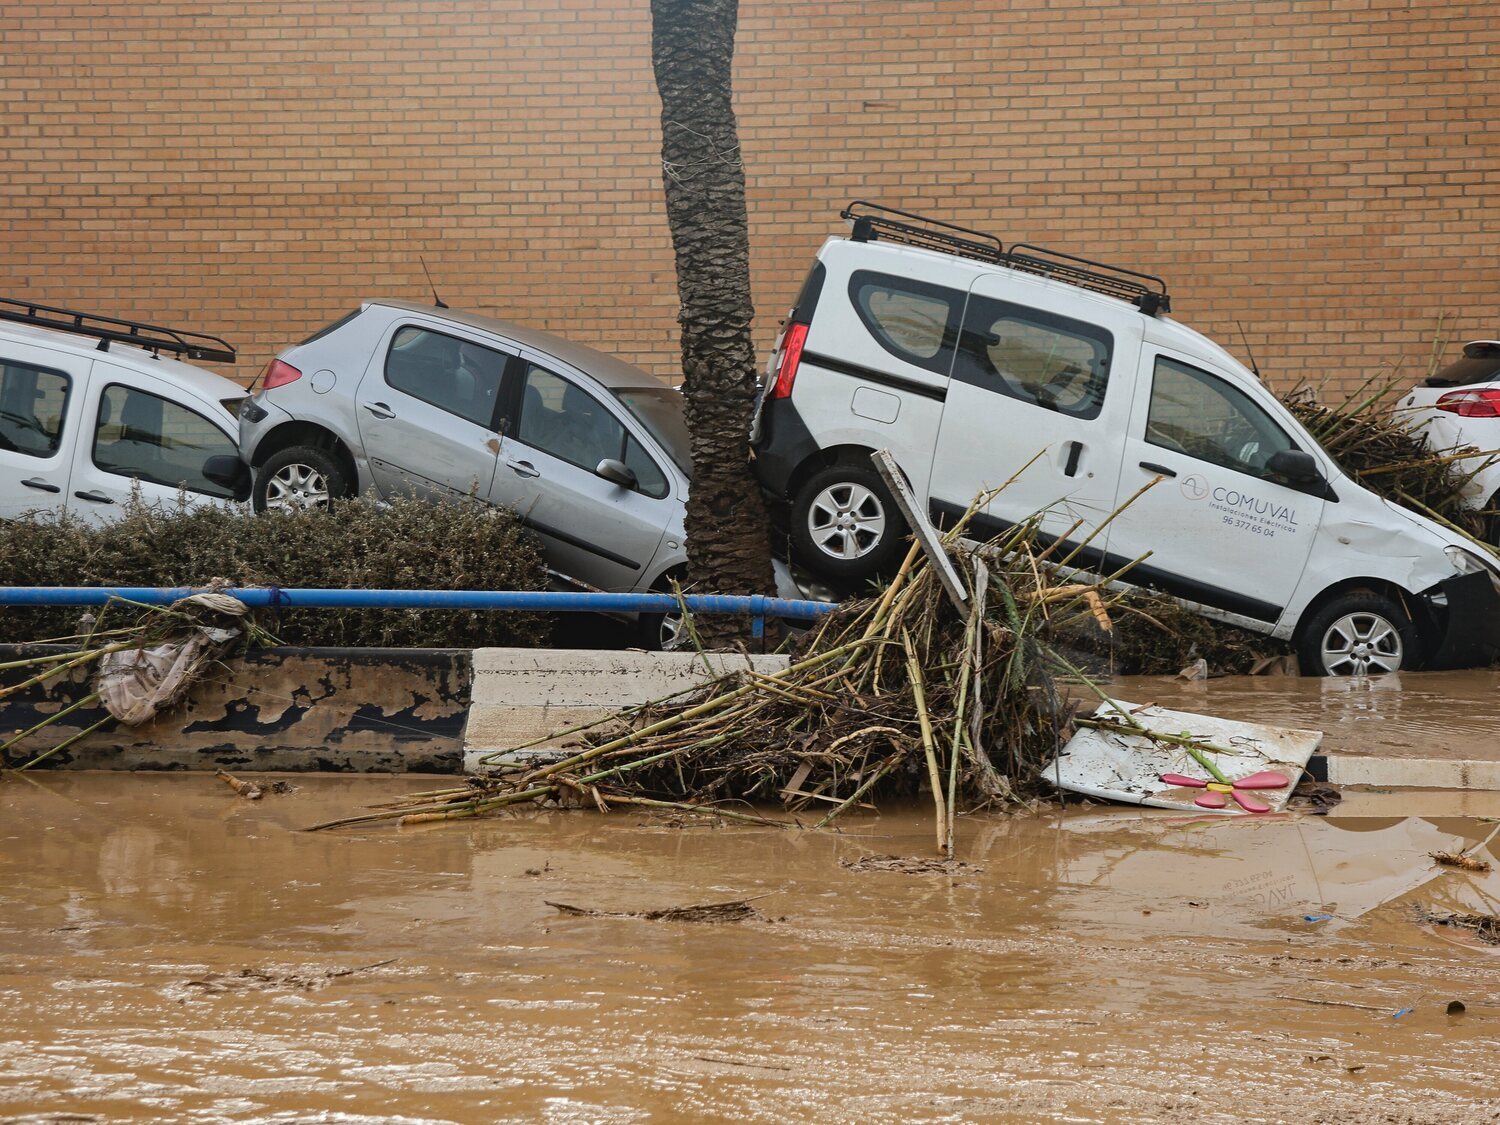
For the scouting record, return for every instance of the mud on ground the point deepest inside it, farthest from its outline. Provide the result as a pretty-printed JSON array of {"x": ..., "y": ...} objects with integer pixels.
[{"x": 172, "y": 952}]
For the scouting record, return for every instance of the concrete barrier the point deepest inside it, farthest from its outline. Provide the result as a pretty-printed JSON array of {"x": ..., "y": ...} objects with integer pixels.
[
  {"x": 297, "y": 709},
  {"x": 522, "y": 694}
]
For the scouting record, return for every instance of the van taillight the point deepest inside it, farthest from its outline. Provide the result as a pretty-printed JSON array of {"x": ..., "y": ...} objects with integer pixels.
[
  {"x": 278, "y": 374},
  {"x": 1472, "y": 404},
  {"x": 791, "y": 356}
]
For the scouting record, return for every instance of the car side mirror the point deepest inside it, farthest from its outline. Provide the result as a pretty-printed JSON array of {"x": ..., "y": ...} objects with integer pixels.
[
  {"x": 1295, "y": 465},
  {"x": 615, "y": 472},
  {"x": 230, "y": 472}
]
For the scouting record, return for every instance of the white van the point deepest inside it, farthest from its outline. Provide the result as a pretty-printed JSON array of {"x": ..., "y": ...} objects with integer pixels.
[
  {"x": 967, "y": 359},
  {"x": 93, "y": 409}
]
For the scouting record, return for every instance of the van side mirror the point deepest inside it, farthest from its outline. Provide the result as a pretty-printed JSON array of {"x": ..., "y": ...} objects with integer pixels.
[
  {"x": 229, "y": 472},
  {"x": 615, "y": 472},
  {"x": 1295, "y": 465}
]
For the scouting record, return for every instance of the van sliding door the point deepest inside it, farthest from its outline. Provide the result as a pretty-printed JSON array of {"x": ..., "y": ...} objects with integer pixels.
[{"x": 1033, "y": 397}]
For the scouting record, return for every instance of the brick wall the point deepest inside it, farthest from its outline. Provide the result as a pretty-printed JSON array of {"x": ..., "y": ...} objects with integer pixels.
[{"x": 1320, "y": 170}]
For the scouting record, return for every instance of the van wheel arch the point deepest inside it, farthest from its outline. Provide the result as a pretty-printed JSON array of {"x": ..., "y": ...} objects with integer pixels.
[
  {"x": 1422, "y": 622},
  {"x": 827, "y": 458}
]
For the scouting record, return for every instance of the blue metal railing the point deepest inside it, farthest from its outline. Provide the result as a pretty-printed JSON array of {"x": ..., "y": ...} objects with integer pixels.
[{"x": 757, "y": 606}]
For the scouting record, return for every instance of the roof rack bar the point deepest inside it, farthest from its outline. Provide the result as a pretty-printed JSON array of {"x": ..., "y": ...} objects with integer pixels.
[
  {"x": 873, "y": 221},
  {"x": 108, "y": 330}
]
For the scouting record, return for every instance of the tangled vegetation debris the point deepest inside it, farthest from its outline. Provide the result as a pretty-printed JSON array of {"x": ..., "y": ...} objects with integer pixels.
[{"x": 890, "y": 696}]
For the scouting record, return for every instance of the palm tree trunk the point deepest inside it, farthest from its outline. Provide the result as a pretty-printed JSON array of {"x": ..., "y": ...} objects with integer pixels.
[{"x": 728, "y": 538}]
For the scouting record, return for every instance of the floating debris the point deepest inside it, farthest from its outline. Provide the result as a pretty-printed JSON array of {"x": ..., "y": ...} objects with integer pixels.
[
  {"x": 909, "y": 865},
  {"x": 1461, "y": 860},
  {"x": 1485, "y": 927},
  {"x": 739, "y": 910}
]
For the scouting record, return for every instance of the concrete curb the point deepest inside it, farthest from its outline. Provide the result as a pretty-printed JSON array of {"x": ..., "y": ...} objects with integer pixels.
[
  {"x": 1405, "y": 773},
  {"x": 523, "y": 694}
]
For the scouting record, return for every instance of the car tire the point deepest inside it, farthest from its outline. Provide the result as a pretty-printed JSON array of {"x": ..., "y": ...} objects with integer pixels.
[
  {"x": 845, "y": 524},
  {"x": 300, "y": 477},
  {"x": 1359, "y": 633},
  {"x": 1491, "y": 531}
]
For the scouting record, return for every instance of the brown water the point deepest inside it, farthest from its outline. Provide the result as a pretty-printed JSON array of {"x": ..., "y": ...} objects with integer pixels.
[
  {"x": 166, "y": 951},
  {"x": 1415, "y": 715}
]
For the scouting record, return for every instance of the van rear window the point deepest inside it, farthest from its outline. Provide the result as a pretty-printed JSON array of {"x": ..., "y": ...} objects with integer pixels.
[{"x": 912, "y": 320}]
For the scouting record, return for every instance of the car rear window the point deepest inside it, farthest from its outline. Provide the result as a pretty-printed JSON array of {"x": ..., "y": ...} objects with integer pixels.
[
  {"x": 913, "y": 320},
  {"x": 327, "y": 328},
  {"x": 1482, "y": 368}
]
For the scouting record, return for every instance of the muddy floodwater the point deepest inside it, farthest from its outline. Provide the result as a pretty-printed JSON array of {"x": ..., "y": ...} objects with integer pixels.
[{"x": 171, "y": 952}]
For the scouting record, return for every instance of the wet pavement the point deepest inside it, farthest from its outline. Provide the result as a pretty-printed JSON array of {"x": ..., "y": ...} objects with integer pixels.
[
  {"x": 171, "y": 952},
  {"x": 1454, "y": 715}
]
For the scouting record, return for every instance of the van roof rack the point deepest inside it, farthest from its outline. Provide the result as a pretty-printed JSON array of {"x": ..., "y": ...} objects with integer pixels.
[
  {"x": 107, "y": 330},
  {"x": 873, "y": 221}
]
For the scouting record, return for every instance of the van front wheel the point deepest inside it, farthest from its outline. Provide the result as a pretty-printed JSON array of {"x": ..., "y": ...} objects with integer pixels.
[
  {"x": 1360, "y": 633},
  {"x": 845, "y": 524}
]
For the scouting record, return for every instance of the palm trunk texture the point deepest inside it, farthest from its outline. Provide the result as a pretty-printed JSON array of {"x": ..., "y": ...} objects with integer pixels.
[{"x": 728, "y": 536}]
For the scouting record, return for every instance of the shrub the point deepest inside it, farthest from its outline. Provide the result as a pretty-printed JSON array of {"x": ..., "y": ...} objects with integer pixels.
[{"x": 404, "y": 544}]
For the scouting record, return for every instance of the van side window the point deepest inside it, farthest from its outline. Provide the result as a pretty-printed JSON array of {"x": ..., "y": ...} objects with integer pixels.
[
  {"x": 1049, "y": 361},
  {"x": 33, "y": 402},
  {"x": 455, "y": 375},
  {"x": 912, "y": 320},
  {"x": 563, "y": 419},
  {"x": 148, "y": 438},
  {"x": 1203, "y": 416}
]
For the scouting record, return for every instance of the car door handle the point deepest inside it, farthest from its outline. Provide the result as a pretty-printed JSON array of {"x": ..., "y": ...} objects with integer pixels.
[
  {"x": 40, "y": 485},
  {"x": 380, "y": 410},
  {"x": 1151, "y": 466},
  {"x": 96, "y": 497},
  {"x": 524, "y": 468}
]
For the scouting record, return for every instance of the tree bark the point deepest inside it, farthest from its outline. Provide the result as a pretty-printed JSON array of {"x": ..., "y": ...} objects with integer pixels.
[{"x": 728, "y": 535}]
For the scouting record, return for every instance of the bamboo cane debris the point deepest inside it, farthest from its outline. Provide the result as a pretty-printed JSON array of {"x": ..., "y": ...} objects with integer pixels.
[{"x": 899, "y": 695}]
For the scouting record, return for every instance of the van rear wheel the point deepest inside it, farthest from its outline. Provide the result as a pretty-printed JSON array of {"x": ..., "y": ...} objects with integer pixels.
[
  {"x": 845, "y": 524},
  {"x": 1360, "y": 633}
]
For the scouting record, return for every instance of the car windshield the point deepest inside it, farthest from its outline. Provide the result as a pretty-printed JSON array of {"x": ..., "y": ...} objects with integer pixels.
[{"x": 660, "y": 411}]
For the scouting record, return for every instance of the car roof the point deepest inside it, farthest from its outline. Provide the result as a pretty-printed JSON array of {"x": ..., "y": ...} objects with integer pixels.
[
  {"x": 608, "y": 370},
  {"x": 206, "y": 384}
]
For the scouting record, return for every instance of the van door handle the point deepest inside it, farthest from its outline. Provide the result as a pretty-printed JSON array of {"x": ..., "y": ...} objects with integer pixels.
[
  {"x": 96, "y": 497},
  {"x": 524, "y": 468},
  {"x": 380, "y": 410},
  {"x": 1076, "y": 450},
  {"x": 1152, "y": 467},
  {"x": 40, "y": 485}
]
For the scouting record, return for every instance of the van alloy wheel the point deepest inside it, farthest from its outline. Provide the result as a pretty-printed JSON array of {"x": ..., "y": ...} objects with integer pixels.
[
  {"x": 295, "y": 487},
  {"x": 1362, "y": 644},
  {"x": 846, "y": 520}
]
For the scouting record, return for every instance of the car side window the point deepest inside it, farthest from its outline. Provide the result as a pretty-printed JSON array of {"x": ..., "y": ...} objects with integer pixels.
[
  {"x": 33, "y": 404},
  {"x": 563, "y": 419},
  {"x": 1203, "y": 416},
  {"x": 145, "y": 437},
  {"x": 455, "y": 375},
  {"x": 1050, "y": 361},
  {"x": 913, "y": 320}
]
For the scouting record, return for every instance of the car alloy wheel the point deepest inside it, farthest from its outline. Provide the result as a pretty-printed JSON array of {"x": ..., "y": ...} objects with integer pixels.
[
  {"x": 846, "y": 520},
  {"x": 1362, "y": 644},
  {"x": 296, "y": 487}
]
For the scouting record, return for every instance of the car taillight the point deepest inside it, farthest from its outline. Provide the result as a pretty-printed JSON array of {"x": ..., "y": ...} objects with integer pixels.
[
  {"x": 278, "y": 374},
  {"x": 791, "y": 356},
  {"x": 1483, "y": 403}
]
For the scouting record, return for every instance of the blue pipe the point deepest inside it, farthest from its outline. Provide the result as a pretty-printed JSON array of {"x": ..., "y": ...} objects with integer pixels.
[{"x": 757, "y": 605}]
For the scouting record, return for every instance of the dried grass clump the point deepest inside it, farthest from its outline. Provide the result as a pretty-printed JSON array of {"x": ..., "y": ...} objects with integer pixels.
[{"x": 365, "y": 544}]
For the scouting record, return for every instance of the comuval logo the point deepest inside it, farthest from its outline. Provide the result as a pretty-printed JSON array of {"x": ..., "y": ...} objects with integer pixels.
[{"x": 1194, "y": 487}]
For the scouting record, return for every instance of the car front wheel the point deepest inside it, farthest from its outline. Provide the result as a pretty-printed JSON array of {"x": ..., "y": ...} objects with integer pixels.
[
  {"x": 1360, "y": 633},
  {"x": 300, "y": 477}
]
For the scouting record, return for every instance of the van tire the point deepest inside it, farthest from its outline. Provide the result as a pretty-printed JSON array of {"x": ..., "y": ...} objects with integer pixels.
[
  {"x": 845, "y": 524},
  {"x": 1359, "y": 632},
  {"x": 298, "y": 477}
]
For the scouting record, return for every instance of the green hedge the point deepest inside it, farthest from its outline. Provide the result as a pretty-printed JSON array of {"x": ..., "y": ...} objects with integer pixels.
[{"x": 404, "y": 544}]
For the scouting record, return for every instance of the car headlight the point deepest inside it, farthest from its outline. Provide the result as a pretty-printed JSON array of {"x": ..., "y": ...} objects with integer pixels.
[{"x": 1467, "y": 562}]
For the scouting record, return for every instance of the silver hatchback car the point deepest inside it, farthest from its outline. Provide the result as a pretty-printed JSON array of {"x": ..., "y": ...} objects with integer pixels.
[{"x": 398, "y": 397}]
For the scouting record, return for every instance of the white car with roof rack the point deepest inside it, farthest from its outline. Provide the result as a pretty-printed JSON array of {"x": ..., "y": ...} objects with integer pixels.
[
  {"x": 976, "y": 365},
  {"x": 94, "y": 409}
]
